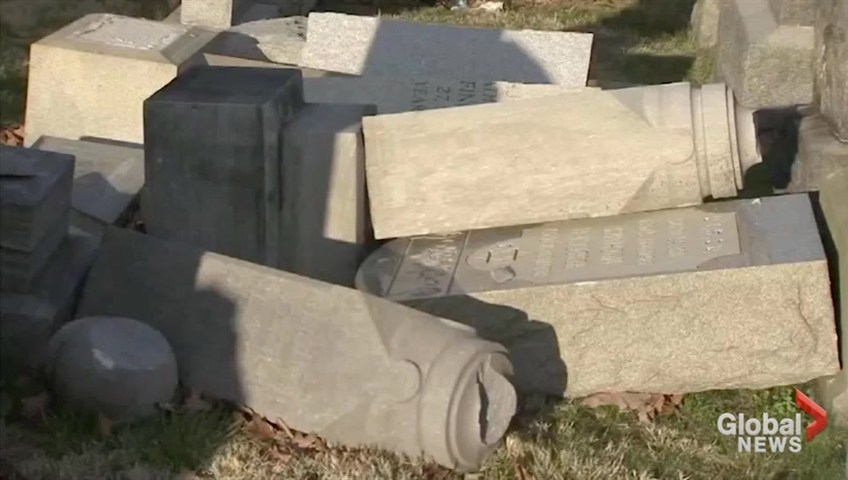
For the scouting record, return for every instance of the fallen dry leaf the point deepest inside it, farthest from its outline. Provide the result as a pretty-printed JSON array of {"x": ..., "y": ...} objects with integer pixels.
[
  {"x": 104, "y": 425},
  {"x": 33, "y": 408},
  {"x": 12, "y": 135},
  {"x": 262, "y": 428},
  {"x": 194, "y": 401},
  {"x": 645, "y": 405}
]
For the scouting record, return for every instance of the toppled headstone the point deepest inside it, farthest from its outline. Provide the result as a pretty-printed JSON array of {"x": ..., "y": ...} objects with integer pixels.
[
  {"x": 404, "y": 94},
  {"x": 833, "y": 198},
  {"x": 90, "y": 78},
  {"x": 213, "y": 148},
  {"x": 107, "y": 180},
  {"x": 831, "y": 64},
  {"x": 35, "y": 192},
  {"x": 725, "y": 295},
  {"x": 280, "y": 40},
  {"x": 118, "y": 367},
  {"x": 325, "y": 223},
  {"x": 29, "y": 319},
  {"x": 350, "y": 367},
  {"x": 584, "y": 153},
  {"x": 371, "y": 46},
  {"x": 765, "y": 63}
]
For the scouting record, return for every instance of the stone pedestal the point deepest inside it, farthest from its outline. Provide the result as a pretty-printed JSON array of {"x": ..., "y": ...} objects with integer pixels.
[
  {"x": 213, "y": 158},
  {"x": 90, "y": 78},
  {"x": 725, "y": 295},
  {"x": 348, "y": 366},
  {"x": 585, "y": 153},
  {"x": 765, "y": 55},
  {"x": 107, "y": 180},
  {"x": 325, "y": 222},
  {"x": 831, "y": 64}
]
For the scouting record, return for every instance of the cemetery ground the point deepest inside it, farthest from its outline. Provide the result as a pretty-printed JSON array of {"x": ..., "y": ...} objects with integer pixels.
[{"x": 636, "y": 42}]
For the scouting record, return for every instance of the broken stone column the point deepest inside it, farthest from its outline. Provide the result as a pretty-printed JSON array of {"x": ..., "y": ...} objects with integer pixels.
[
  {"x": 831, "y": 64},
  {"x": 41, "y": 265},
  {"x": 325, "y": 222},
  {"x": 90, "y": 78},
  {"x": 345, "y": 365},
  {"x": 213, "y": 158},
  {"x": 725, "y": 295},
  {"x": 107, "y": 180},
  {"x": 765, "y": 51},
  {"x": 584, "y": 153},
  {"x": 833, "y": 198}
]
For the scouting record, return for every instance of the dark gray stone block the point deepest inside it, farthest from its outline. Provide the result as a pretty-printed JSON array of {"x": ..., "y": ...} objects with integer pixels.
[
  {"x": 27, "y": 321},
  {"x": 107, "y": 179},
  {"x": 35, "y": 193},
  {"x": 19, "y": 269},
  {"x": 213, "y": 159}
]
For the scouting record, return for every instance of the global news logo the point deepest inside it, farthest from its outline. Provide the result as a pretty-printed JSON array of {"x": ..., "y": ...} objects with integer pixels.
[{"x": 767, "y": 434}]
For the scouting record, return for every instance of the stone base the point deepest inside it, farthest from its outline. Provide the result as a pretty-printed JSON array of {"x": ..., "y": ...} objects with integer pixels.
[
  {"x": 326, "y": 227},
  {"x": 90, "y": 78},
  {"x": 29, "y": 320},
  {"x": 765, "y": 63},
  {"x": 35, "y": 192},
  {"x": 726, "y": 295}
]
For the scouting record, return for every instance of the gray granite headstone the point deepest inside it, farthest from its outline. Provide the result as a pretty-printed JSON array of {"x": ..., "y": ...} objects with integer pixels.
[
  {"x": 35, "y": 193},
  {"x": 670, "y": 301},
  {"x": 19, "y": 269},
  {"x": 213, "y": 153},
  {"x": 831, "y": 64},
  {"x": 372, "y": 46}
]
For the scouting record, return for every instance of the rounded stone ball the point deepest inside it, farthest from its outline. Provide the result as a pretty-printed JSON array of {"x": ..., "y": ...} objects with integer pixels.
[{"x": 114, "y": 366}]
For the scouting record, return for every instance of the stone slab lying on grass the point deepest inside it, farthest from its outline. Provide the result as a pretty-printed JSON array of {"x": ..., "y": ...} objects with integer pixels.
[
  {"x": 766, "y": 64},
  {"x": 280, "y": 40},
  {"x": 118, "y": 367},
  {"x": 19, "y": 269},
  {"x": 213, "y": 148},
  {"x": 405, "y": 94},
  {"x": 325, "y": 223},
  {"x": 372, "y": 46},
  {"x": 35, "y": 194},
  {"x": 725, "y": 295},
  {"x": 831, "y": 64},
  {"x": 320, "y": 358},
  {"x": 584, "y": 153},
  {"x": 90, "y": 78},
  {"x": 29, "y": 320},
  {"x": 107, "y": 180}
]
